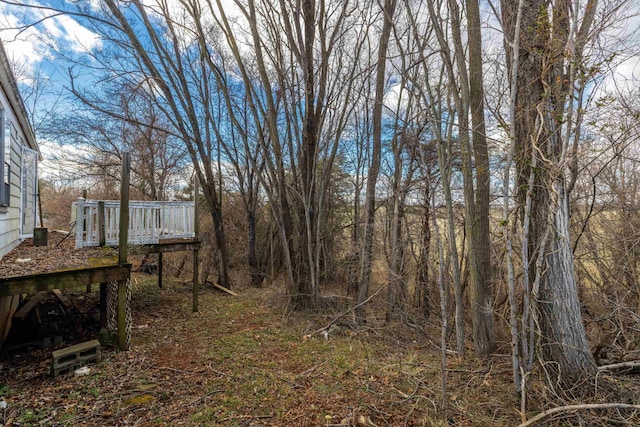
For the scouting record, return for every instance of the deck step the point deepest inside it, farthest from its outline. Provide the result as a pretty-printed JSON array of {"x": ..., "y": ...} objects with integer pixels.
[{"x": 75, "y": 356}]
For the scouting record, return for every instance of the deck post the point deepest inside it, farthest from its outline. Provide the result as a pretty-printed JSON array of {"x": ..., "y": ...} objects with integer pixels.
[
  {"x": 123, "y": 342},
  {"x": 196, "y": 229},
  {"x": 103, "y": 305},
  {"x": 160, "y": 270},
  {"x": 102, "y": 239},
  {"x": 124, "y": 209},
  {"x": 80, "y": 223}
]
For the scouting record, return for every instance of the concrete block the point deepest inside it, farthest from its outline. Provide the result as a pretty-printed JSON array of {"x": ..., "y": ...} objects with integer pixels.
[{"x": 75, "y": 356}]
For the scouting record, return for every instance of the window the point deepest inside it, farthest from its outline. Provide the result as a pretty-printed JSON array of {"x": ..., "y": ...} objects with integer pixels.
[
  {"x": 5, "y": 159},
  {"x": 28, "y": 189}
]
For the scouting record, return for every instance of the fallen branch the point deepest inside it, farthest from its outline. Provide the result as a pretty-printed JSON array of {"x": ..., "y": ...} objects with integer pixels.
[
  {"x": 248, "y": 417},
  {"x": 621, "y": 365},
  {"x": 180, "y": 371},
  {"x": 570, "y": 408},
  {"x": 294, "y": 384},
  {"x": 73, "y": 225},
  {"x": 223, "y": 289},
  {"x": 341, "y": 315},
  {"x": 308, "y": 371}
]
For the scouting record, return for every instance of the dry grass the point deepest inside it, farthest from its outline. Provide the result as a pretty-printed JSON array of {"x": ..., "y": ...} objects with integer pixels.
[
  {"x": 245, "y": 361},
  {"x": 241, "y": 362}
]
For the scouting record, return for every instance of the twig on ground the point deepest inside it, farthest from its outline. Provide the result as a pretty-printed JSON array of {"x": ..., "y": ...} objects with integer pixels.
[
  {"x": 222, "y": 374},
  {"x": 313, "y": 368},
  {"x": 621, "y": 365},
  {"x": 68, "y": 234},
  {"x": 570, "y": 408},
  {"x": 248, "y": 417},
  {"x": 180, "y": 371},
  {"x": 293, "y": 384},
  {"x": 344, "y": 313},
  {"x": 193, "y": 402}
]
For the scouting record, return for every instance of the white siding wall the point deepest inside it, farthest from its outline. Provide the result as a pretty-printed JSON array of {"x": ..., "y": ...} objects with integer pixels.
[{"x": 10, "y": 220}]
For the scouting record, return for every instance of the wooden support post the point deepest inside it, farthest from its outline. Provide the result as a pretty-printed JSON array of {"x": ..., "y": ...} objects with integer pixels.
[
  {"x": 124, "y": 209},
  {"x": 100, "y": 232},
  {"x": 102, "y": 238},
  {"x": 103, "y": 305},
  {"x": 84, "y": 217},
  {"x": 160, "y": 270},
  {"x": 123, "y": 342},
  {"x": 80, "y": 223},
  {"x": 195, "y": 281},
  {"x": 196, "y": 229}
]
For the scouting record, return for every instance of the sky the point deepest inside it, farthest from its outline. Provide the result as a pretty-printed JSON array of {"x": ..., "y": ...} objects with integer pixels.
[{"x": 33, "y": 49}]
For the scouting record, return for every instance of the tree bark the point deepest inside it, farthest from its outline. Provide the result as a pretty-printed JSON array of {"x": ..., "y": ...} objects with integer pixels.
[
  {"x": 422, "y": 277},
  {"x": 376, "y": 156},
  {"x": 540, "y": 101},
  {"x": 482, "y": 287},
  {"x": 563, "y": 337}
]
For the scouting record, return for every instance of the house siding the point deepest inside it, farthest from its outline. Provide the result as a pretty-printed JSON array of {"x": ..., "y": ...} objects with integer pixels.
[
  {"x": 21, "y": 133},
  {"x": 10, "y": 220}
]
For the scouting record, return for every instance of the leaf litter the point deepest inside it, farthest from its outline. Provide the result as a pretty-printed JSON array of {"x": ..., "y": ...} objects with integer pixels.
[{"x": 243, "y": 361}]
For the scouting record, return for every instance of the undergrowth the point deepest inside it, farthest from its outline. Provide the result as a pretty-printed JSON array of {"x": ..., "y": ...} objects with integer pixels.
[{"x": 246, "y": 361}]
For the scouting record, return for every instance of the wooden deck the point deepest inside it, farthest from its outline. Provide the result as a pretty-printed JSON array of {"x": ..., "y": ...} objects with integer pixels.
[
  {"x": 150, "y": 227},
  {"x": 98, "y": 223},
  {"x": 75, "y": 277},
  {"x": 174, "y": 245},
  {"x": 30, "y": 270},
  {"x": 61, "y": 265}
]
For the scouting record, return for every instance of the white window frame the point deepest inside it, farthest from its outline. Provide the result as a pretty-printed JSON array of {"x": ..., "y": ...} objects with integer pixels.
[
  {"x": 5, "y": 190},
  {"x": 24, "y": 188}
]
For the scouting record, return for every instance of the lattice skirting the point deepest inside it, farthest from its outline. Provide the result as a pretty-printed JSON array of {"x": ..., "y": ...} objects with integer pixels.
[{"x": 112, "y": 310}]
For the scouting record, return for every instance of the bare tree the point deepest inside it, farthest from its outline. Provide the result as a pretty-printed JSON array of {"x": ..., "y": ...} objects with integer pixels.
[
  {"x": 300, "y": 79},
  {"x": 543, "y": 117},
  {"x": 388, "y": 10},
  {"x": 169, "y": 66},
  {"x": 92, "y": 142},
  {"x": 467, "y": 91}
]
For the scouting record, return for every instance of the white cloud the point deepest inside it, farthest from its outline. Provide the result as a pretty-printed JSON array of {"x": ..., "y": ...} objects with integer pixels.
[
  {"x": 28, "y": 46},
  {"x": 628, "y": 72},
  {"x": 22, "y": 46},
  {"x": 625, "y": 72},
  {"x": 80, "y": 38}
]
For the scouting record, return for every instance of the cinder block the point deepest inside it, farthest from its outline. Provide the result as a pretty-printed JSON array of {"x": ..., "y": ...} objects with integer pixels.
[{"x": 73, "y": 357}]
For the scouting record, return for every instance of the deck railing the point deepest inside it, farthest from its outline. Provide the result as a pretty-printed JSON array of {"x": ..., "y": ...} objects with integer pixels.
[{"x": 97, "y": 222}]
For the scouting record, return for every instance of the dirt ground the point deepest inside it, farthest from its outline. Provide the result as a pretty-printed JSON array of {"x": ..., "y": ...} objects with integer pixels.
[{"x": 245, "y": 361}]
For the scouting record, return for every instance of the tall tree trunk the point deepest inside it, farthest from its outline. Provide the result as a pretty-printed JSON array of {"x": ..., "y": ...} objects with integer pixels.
[
  {"x": 221, "y": 241},
  {"x": 252, "y": 259},
  {"x": 376, "y": 156},
  {"x": 541, "y": 93},
  {"x": 482, "y": 287},
  {"x": 470, "y": 98},
  {"x": 422, "y": 276},
  {"x": 396, "y": 293},
  {"x": 563, "y": 337},
  {"x": 307, "y": 276},
  {"x": 444, "y": 158}
]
